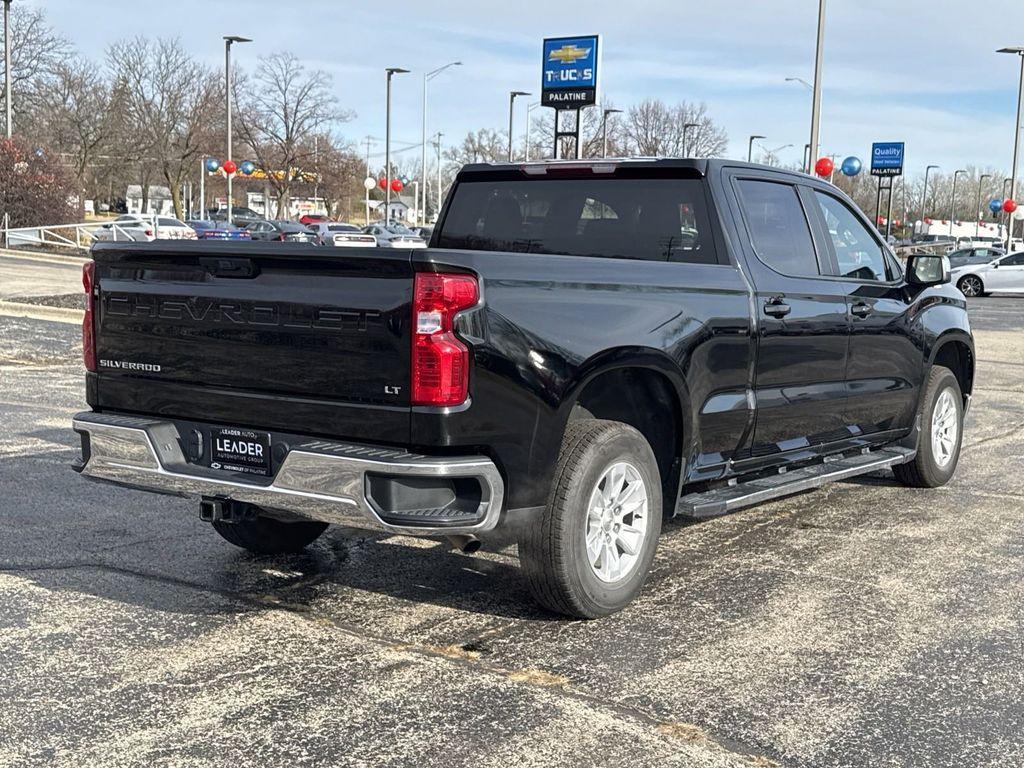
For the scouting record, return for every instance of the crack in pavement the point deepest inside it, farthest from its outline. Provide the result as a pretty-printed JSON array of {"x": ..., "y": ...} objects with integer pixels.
[{"x": 466, "y": 660}]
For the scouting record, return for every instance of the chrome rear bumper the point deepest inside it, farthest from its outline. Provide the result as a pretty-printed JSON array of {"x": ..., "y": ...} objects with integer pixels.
[{"x": 317, "y": 480}]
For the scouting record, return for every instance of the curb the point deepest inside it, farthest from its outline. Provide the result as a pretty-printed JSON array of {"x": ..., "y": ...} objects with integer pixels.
[
  {"x": 49, "y": 258},
  {"x": 39, "y": 312}
]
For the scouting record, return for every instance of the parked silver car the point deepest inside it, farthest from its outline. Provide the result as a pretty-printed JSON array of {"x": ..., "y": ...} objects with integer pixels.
[{"x": 395, "y": 236}]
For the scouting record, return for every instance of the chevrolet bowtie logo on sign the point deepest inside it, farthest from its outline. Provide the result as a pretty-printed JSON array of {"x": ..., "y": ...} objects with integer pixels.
[
  {"x": 569, "y": 74},
  {"x": 568, "y": 54}
]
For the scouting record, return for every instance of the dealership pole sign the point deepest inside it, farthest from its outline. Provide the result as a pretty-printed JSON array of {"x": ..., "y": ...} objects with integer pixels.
[
  {"x": 887, "y": 158},
  {"x": 569, "y": 72}
]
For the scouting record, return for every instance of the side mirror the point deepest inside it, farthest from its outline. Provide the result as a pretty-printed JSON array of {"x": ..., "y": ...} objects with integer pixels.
[{"x": 927, "y": 269}]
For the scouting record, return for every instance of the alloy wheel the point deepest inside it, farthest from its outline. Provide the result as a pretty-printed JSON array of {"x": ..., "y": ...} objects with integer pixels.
[
  {"x": 617, "y": 516},
  {"x": 945, "y": 429}
]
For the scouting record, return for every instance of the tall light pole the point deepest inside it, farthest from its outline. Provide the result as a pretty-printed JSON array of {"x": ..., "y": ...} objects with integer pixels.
[
  {"x": 229, "y": 40},
  {"x": 391, "y": 71},
  {"x": 1019, "y": 51},
  {"x": 604, "y": 130},
  {"x": 439, "y": 135},
  {"x": 511, "y": 102},
  {"x": 7, "y": 68},
  {"x": 816, "y": 98},
  {"x": 952, "y": 203},
  {"x": 750, "y": 147},
  {"x": 924, "y": 190},
  {"x": 977, "y": 210},
  {"x": 423, "y": 154},
  {"x": 686, "y": 128}
]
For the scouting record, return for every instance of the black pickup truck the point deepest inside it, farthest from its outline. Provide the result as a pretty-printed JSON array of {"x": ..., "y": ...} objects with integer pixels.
[{"x": 584, "y": 349}]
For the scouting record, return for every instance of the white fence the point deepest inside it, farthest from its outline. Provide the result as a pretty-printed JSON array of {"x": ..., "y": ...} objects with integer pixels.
[{"x": 76, "y": 236}]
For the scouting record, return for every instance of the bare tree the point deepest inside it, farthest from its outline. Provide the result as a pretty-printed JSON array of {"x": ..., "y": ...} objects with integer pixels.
[
  {"x": 37, "y": 53},
  {"x": 74, "y": 117},
  {"x": 654, "y": 129},
  {"x": 280, "y": 111},
  {"x": 168, "y": 101}
]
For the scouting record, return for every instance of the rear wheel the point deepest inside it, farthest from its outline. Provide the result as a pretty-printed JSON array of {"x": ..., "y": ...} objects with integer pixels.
[
  {"x": 971, "y": 286},
  {"x": 941, "y": 414},
  {"x": 590, "y": 552},
  {"x": 267, "y": 536}
]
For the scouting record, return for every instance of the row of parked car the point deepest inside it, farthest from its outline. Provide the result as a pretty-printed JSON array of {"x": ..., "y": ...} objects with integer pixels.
[{"x": 246, "y": 225}]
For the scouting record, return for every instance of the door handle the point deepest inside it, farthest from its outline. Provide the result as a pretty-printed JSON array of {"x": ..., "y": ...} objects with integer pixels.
[
  {"x": 776, "y": 307},
  {"x": 860, "y": 309}
]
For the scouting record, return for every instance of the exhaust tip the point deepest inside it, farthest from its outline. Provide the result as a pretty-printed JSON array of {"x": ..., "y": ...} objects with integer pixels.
[{"x": 466, "y": 544}]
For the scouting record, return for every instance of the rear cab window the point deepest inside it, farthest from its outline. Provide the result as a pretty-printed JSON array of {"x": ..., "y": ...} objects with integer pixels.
[
  {"x": 779, "y": 231},
  {"x": 606, "y": 216}
]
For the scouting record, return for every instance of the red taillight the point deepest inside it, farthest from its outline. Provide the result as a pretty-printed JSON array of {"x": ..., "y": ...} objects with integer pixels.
[
  {"x": 88, "y": 329},
  {"x": 440, "y": 362}
]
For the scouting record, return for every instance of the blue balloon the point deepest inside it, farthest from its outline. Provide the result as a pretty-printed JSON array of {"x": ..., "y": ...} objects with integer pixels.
[
  {"x": 247, "y": 167},
  {"x": 851, "y": 166},
  {"x": 212, "y": 164},
  {"x": 995, "y": 205}
]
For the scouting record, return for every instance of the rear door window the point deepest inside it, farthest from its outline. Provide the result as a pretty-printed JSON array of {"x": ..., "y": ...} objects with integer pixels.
[
  {"x": 779, "y": 231},
  {"x": 654, "y": 219}
]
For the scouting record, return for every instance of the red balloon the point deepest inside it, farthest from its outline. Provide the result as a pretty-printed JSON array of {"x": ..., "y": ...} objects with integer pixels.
[
  {"x": 1009, "y": 205},
  {"x": 396, "y": 185},
  {"x": 383, "y": 183},
  {"x": 824, "y": 166},
  {"x": 229, "y": 166}
]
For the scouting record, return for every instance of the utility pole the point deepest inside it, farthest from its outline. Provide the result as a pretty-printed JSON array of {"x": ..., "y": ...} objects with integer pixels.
[
  {"x": 228, "y": 41},
  {"x": 750, "y": 147},
  {"x": 369, "y": 175},
  {"x": 816, "y": 99},
  {"x": 977, "y": 210},
  {"x": 604, "y": 130},
  {"x": 439, "y": 135},
  {"x": 1019, "y": 51},
  {"x": 924, "y": 191},
  {"x": 511, "y": 102},
  {"x": 423, "y": 148},
  {"x": 391, "y": 72}
]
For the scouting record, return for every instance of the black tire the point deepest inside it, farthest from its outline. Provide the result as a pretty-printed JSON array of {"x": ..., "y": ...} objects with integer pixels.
[
  {"x": 971, "y": 286},
  {"x": 267, "y": 536},
  {"x": 925, "y": 471},
  {"x": 553, "y": 552}
]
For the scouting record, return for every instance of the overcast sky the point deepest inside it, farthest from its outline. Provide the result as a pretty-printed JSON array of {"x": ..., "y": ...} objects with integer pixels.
[{"x": 922, "y": 72}]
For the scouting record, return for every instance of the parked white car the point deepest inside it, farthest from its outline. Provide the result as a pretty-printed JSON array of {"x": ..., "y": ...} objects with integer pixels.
[
  {"x": 342, "y": 235},
  {"x": 395, "y": 236},
  {"x": 1004, "y": 274},
  {"x": 134, "y": 227}
]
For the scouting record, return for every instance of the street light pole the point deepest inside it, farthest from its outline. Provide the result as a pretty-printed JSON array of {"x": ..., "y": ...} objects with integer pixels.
[
  {"x": 750, "y": 147},
  {"x": 816, "y": 99},
  {"x": 391, "y": 71},
  {"x": 439, "y": 135},
  {"x": 952, "y": 202},
  {"x": 7, "y": 68},
  {"x": 511, "y": 102},
  {"x": 924, "y": 191},
  {"x": 977, "y": 210},
  {"x": 1019, "y": 51},
  {"x": 229, "y": 40},
  {"x": 687, "y": 127},
  {"x": 604, "y": 130},
  {"x": 423, "y": 148}
]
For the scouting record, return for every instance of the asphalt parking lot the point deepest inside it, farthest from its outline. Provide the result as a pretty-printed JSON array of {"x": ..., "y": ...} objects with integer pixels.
[{"x": 860, "y": 625}]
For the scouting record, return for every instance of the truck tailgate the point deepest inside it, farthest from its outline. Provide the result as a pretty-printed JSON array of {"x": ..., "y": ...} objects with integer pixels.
[{"x": 285, "y": 336}]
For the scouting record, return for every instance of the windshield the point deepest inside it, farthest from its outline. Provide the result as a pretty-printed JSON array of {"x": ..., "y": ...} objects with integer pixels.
[
  {"x": 398, "y": 229},
  {"x": 656, "y": 219}
]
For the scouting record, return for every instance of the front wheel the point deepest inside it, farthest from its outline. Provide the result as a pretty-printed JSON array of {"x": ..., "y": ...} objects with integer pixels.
[
  {"x": 941, "y": 415},
  {"x": 591, "y": 550},
  {"x": 971, "y": 286}
]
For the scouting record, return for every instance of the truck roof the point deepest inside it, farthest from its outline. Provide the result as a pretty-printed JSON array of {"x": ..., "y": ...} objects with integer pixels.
[{"x": 702, "y": 166}]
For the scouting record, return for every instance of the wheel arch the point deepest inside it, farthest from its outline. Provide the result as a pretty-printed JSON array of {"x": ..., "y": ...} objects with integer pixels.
[
  {"x": 955, "y": 350},
  {"x": 637, "y": 386}
]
